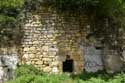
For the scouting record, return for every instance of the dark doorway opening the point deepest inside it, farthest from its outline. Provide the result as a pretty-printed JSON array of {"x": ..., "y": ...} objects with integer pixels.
[{"x": 68, "y": 66}]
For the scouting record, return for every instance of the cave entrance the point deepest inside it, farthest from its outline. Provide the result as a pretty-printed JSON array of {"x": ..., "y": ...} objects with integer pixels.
[{"x": 68, "y": 66}]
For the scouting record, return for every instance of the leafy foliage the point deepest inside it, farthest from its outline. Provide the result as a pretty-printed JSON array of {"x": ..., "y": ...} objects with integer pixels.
[
  {"x": 9, "y": 12},
  {"x": 102, "y": 7},
  {"x": 32, "y": 5},
  {"x": 29, "y": 74},
  {"x": 27, "y": 69},
  {"x": 10, "y": 8}
]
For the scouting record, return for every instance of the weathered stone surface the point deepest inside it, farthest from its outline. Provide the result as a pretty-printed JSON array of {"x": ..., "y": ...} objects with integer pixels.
[{"x": 113, "y": 63}]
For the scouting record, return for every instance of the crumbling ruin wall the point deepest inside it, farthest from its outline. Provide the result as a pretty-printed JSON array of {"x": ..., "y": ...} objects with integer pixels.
[{"x": 48, "y": 40}]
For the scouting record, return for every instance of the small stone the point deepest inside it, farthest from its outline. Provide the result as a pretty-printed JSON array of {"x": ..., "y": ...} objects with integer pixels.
[
  {"x": 55, "y": 63},
  {"x": 26, "y": 26},
  {"x": 31, "y": 55},
  {"x": 38, "y": 53},
  {"x": 47, "y": 59},
  {"x": 55, "y": 42},
  {"x": 53, "y": 24},
  {"x": 30, "y": 42},
  {"x": 49, "y": 36},
  {"x": 26, "y": 56},
  {"x": 35, "y": 42},
  {"x": 55, "y": 70},
  {"x": 26, "y": 49},
  {"x": 32, "y": 48},
  {"x": 44, "y": 53}
]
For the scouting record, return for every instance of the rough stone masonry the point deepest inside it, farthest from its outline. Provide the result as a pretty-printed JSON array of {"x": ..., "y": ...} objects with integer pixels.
[{"x": 48, "y": 40}]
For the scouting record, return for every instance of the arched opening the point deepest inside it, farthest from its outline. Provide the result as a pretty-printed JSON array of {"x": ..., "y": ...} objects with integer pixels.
[{"x": 68, "y": 66}]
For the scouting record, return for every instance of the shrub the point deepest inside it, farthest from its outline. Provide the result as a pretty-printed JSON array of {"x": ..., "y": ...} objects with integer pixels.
[
  {"x": 26, "y": 70},
  {"x": 29, "y": 74}
]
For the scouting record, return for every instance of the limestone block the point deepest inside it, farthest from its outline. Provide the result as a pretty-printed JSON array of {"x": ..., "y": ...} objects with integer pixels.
[
  {"x": 26, "y": 57},
  {"x": 52, "y": 53},
  {"x": 38, "y": 53},
  {"x": 45, "y": 53},
  {"x": 26, "y": 40},
  {"x": 37, "y": 66},
  {"x": 55, "y": 42},
  {"x": 51, "y": 39},
  {"x": 51, "y": 56},
  {"x": 47, "y": 59},
  {"x": 36, "y": 59},
  {"x": 32, "y": 48},
  {"x": 39, "y": 62},
  {"x": 45, "y": 48},
  {"x": 53, "y": 23},
  {"x": 26, "y": 49},
  {"x": 35, "y": 42},
  {"x": 47, "y": 69},
  {"x": 32, "y": 62},
  {"x": 39, "y": 28},
  {"x": 55, "y": 63},
  {"x": 49, "y": 35},
  {"x": 31, "y": 55},
  {"x": 30, "y": 42},
  {"x": 26, "y": 26}
]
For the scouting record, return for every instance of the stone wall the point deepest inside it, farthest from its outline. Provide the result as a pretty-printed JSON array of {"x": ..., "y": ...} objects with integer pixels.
[{"x": 49, "y": 38}]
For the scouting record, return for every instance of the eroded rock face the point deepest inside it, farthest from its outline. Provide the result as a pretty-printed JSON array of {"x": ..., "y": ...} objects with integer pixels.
[
  {"x": 112, "y": 61},
  {"x": 93, "y": 59},
  {"x": 10, "y": 61},
  {"x": 8, "y": 64}
]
